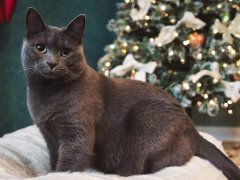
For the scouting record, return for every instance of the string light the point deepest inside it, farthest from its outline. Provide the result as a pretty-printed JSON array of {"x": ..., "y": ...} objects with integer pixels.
[
  {"x": 211, "y": 102},
  {"x": 151, "y": 40},
  {"x": 186, "y": 42},
  {"x": 166, "y": 14},
  {"x": 225, "y": 105},
  {"x": 186, "y": 86},
  {"x": 112, "y": 46},
  {"x": 219, "y": 6},
  {"x": 107, "y": 64},
  {"x": 127, "y": 1},
  {"x": 135, "y": 48},
  {"x": 183, "y": 61},
  {"x": 176, "y": 34},
  {"x": 159, "y": 44},
  {"x": 215, "y": 80},
  {"x": 124, "y": 51},
  {"x": 145, "y": 24},
  {"x": 223, "y": 50},
  {"x": 128, "y": 28},
  {"x": 205, "y": 96},
  {"x": 163, "y": 7},
  {"x": 147, "y": 17},
  {"x": 199, "y": 103},
  {"x": 154, "y": 1},
  {"x": 225, "y": 65},
  {"x": 238, "y": 63},
  {"x": 230, "y": 111},
  {"x": 124, "y": 44},
  {"x": 199, "y": 56},
  {"x": 213, "y": 52},
  {"x": 172, "y": 20},
  {"x": 171, "y": 53},
  {"x": 229, "y": 102},
  {"x": 215, "y": 31},
  {"x": 199, "y": 85}
]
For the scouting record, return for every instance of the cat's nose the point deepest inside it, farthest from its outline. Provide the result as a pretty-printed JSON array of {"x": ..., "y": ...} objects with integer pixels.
[{"x": 51, "y": 64}]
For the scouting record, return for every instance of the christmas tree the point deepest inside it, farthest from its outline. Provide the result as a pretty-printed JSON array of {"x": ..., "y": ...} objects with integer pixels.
[{"x": 191, "y": 48}]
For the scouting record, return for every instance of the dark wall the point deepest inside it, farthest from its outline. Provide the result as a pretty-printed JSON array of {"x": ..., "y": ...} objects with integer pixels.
[{"x": 13, "y": 110}]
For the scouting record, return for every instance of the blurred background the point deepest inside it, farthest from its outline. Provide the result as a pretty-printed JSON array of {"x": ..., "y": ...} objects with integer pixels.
[{"x": 135, "y": 29}]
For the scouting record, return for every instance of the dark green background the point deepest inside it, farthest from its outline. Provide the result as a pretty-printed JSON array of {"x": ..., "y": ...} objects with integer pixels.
[{"x": 13, "y": 110}]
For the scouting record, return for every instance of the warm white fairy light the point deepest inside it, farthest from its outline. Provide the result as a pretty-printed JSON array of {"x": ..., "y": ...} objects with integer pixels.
[
  {"x": 127, "y": 28},
  {"x": 225, "y": 65},
  {"x": 199, "y": 56},
  {"x": 213, "y": 52},
  {"x": 225, "y": 105},
  {"x": 112, "y": 46},
  {"x": 135, "y": 48},
  {"x": 215, "y": 31},
  {"x": 172, "y": 20},
  {"x": 229, "y": 102},
  {"x": 186, "y": 86},
  {"x": 199, "y": 85},
  {"x": 205, "y": 96},
  {"x": 171, "y": 53},
  {"x": 186, "y": 42},
  {"x": 163, "y": 7},
  {"x": 166, "y": 14},
  {"x": 230, "y": 111},
  {"x": 124, "y": 44},
  {"x": 183, "y": 61},
  {"x": 145, "y": 24},
  {"x": 151, "y": 40},
  {"x": 107, "y": 64},
  {"x": 127, "y": 1},
  {"x": 215, "y": 80},
  {"x": 199, "y": 103},
  {"x": 147, "y": 17},
  {"x": 211, "y": 102},
  {"x": 219, "y": 6},
  {"x": 154, "y": 1},
  {"x": 223, "y": 50},
  {"x": 159, "y": 44},
  {"x": 124, "y": 51}
]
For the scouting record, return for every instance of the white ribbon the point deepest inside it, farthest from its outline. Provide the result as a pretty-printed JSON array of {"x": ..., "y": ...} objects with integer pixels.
[
  {"x": 144, "y": 6},
  {"x": 231, "y": 90},
  {"x": 130, "y": 63},
  {"x": 168, "y": 33},
  {"x": 214, "y": 73},
  {"x": 227, "y": 32}
]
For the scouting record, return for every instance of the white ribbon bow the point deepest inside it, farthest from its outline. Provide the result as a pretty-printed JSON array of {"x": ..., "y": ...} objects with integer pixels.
[
  {"x": 168, "y": 33},
  {"x": 144, "y": 6},
  {"x": 227, "y": 32},
  {"x": 232, "y": 89},
  {"x": 130, "y": 63}
]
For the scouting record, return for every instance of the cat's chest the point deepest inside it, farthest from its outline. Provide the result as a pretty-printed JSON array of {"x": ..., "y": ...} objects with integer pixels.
[{"x": 44, "y": 105}]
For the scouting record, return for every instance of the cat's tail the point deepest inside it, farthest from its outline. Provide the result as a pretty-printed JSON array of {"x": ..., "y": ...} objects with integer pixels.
[{"x": 208, "y": 151}]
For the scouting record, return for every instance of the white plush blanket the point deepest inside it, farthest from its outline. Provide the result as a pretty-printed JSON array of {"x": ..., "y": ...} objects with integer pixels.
[{"x": 23, "y": 154}]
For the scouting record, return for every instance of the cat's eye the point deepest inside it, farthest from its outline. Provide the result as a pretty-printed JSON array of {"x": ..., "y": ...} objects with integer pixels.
[
  {"x": 41, "y": 48},
  {"x": 66, "y": 52}
]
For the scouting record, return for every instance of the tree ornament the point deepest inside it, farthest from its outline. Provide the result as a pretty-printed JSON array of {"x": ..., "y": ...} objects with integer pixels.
[
  {"x": 6, "y": 10},
  {"x": 196, "y": 39}
]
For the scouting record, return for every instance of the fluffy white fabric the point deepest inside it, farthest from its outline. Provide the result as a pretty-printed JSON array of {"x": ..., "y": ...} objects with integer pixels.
[{"x": 24, "y": 155}]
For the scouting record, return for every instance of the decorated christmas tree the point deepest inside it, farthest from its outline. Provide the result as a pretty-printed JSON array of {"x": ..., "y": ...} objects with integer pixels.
[{"x": 191, "y": 48}]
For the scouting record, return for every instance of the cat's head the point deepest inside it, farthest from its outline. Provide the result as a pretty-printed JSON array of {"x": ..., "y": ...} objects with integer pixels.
[{"x": 52, "y": 52}]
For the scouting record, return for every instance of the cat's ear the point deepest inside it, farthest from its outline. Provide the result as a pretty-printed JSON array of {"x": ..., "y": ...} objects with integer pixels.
[
  {"x": 76, "y": 28},
  {"x": 34, "y": 22}
]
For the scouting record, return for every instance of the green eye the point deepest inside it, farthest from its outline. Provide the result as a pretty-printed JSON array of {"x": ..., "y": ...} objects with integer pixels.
[
  {"x": 66, "y": 52},
  {"x": 41, "y": 48}
]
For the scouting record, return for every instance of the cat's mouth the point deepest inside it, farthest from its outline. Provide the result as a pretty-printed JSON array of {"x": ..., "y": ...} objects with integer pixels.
[{"x": 51, "y": 75}]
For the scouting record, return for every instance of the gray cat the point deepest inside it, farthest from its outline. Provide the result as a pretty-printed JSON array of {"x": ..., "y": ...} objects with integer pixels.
[{"x": 117, "y": 126}]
